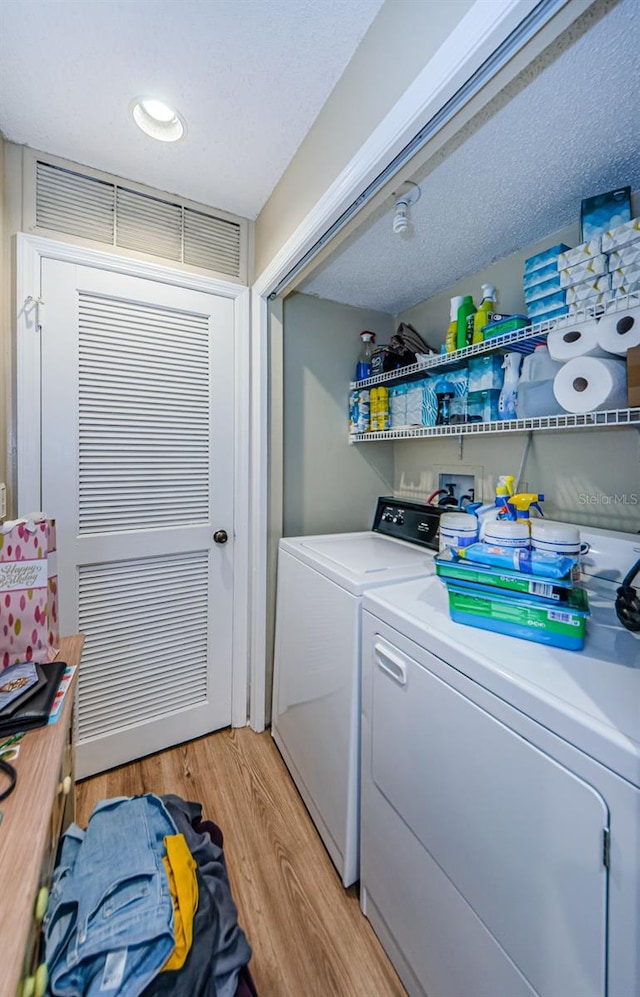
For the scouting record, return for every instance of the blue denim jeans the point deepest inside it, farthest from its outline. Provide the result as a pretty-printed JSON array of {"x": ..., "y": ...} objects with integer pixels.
[{"x": 109, "y": 923}]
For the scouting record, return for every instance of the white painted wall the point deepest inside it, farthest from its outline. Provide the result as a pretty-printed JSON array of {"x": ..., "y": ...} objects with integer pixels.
[
  {"x": 328, "y": 486},
  {"x": 400, "y": 42}
]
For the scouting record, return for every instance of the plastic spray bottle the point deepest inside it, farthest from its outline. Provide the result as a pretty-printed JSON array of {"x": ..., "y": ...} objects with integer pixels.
[
  {"x": 504, "y": 491},
  {"x": 466, "y": 309},
  {"x": 363, "y": 367},
  {"x": 451, "y": 339},
  {"x": 521, "y": 504},
  {"x": 484, "y": 313},
  {"x": 508, "y": 400}
]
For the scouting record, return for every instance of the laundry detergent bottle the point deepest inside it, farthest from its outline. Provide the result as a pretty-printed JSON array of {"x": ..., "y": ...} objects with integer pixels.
[
  {"x": 466, "y": 309},
  {"x": 485, "y": 312},
  {"x": 451, "y": 339}
]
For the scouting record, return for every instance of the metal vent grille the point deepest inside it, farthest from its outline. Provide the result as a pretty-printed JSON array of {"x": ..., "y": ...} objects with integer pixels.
[
  {"x": 128, "y": 674},
  {"x": 149, "y": 225},
  {"x": 68, "y": 201},
  {"x": 79, "y": 205},
  {"x": 144, "y": 415},
  {"x": 207, "y": 238}
]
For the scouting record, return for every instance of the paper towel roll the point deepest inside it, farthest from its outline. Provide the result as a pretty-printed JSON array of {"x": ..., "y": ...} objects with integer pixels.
[
  {"x": 579, "y": 340},
  {"x": 619, "y": 332},
  {"x": 586, "y": 384}
]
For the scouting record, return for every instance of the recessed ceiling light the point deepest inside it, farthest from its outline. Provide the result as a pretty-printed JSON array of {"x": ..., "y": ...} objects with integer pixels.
[{"x": 157, "y": 119}]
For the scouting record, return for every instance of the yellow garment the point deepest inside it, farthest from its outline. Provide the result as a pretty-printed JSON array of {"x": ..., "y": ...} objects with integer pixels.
[{"x": 180, "y": 868}]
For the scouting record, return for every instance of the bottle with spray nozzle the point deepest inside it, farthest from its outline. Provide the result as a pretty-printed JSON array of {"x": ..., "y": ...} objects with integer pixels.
[
  {"x": 520, "y": 506},
  {"x": 484, "y": 313},
  {"x": 451, "y": 339}
]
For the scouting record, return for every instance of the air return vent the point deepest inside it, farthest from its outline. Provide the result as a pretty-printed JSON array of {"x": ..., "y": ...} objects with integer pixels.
[
  {"x": 68, "y": 202},
  {"x": 92, "y": 208}
]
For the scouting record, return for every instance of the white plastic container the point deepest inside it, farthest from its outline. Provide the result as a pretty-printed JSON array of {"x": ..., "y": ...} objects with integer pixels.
[
  {"x": 457, "y": 529},
  {"x": 535, "y": 388},
  {"x": 503, "y": 533},
  {"x": 559, "y": 538}
]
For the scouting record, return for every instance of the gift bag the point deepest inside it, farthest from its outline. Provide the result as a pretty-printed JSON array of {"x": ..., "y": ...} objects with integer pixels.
[{"x": 29, "y": 629}]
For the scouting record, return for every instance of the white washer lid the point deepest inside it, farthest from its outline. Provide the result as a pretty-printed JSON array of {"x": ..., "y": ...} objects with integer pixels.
[{"x": 361, "y": 560}]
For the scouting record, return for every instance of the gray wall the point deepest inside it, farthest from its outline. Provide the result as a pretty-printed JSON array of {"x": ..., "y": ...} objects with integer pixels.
[
  {"x": 329, "y": 486},
  {"x": 591, "y": 477}
]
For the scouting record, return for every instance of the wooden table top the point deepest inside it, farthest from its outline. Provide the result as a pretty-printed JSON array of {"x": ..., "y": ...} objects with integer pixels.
[{"x": 25, "y": 828}]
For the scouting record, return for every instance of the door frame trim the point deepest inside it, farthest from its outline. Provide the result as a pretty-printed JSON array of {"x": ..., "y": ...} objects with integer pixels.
[
  {"x": 481, "y": 30},
  {"x": 31, "y": 311}
]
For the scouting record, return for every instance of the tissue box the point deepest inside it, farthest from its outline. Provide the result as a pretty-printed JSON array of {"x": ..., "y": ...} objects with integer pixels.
[
  {"x": 398, "y": 405},
  {"x": 414, "y": 398},
  {"x": 594, "y": 267},
  {"x": 605, "y": 212},
  {"x": 535, "y": 291},
  {"x": 592, "y": 307},
  {"x": 552, "y": 314},
  {"x": 29, "y": 629},
  {"x": 620, "y": 236},
  {"x": 544, "y": 273},
  {"x": 571, "y": 257},
  {"x": 543, "y": 305},
  {"x": 546, "y": 258},
  {"x": 588, "y": 289},
  {"x": 482, "y": 406},
  {"x": 625, "y": 277},
  {"x": 631, "y": 288},
  {"x": 633, "y": 376},
  {"x": 486, "y": 372},
  {"x": 628, "y": 256}
]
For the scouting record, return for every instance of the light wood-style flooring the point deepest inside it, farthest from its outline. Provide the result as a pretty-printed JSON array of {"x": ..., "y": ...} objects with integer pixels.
[{"x": 308, "y": 936}]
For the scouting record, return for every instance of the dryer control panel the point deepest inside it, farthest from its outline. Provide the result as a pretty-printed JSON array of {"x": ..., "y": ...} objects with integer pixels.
[{"x": 413, "y": 521}]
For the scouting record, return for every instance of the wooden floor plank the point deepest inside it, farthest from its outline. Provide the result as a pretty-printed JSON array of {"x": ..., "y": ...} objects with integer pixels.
[{"x": 307, "y": 932}]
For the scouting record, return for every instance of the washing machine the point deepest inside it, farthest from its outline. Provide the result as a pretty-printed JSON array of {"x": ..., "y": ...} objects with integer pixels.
[
  {"x": 316, "y": 690},
  {"x": 500, "y": 824}
]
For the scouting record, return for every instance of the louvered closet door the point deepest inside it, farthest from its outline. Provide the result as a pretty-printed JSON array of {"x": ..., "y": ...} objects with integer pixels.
[{"x": 137, "y": 417}]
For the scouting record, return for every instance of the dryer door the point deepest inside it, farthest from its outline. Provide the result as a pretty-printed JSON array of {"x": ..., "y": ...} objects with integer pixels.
[{"x": 518, "y": 835}]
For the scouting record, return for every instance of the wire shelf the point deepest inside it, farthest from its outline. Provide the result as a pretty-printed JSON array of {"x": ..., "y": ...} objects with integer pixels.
[
  {"x": 568, "y": 420},
  {"x": 519, "y": 341}
]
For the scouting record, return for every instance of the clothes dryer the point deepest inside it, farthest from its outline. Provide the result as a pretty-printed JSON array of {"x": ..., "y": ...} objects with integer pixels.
[
  {"x": 500, "y": 847},
  {"x": 316, "y": 692}
]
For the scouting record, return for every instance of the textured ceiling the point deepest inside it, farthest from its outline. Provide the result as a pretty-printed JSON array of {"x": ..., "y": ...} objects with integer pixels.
[
  {"x": 571, "y": 131},
  {"x": 249, "y": 77}
]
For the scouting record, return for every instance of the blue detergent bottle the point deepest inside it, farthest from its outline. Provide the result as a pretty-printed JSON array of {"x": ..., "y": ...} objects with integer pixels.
[{"x": 363, "y": 367}]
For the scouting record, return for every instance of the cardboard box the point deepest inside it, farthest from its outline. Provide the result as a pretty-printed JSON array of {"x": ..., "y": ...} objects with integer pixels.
[{"x": 633, "y": 376}]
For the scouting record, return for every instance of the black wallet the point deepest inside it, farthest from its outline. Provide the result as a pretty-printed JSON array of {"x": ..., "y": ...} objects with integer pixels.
[{"x": 34, "y": 712}]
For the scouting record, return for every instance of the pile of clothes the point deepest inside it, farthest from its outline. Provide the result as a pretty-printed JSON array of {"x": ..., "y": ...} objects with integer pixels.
[{"x": 141, "y": 905}]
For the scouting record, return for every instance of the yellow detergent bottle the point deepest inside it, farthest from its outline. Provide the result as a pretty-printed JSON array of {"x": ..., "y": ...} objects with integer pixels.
[
  {"x": 485, "y": 311},
  {"x": 450, "y": 343}
]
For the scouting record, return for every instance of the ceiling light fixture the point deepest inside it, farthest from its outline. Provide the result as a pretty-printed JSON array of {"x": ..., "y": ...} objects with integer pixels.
[
  {"x": 157, "y": 119},
  {"x": 407, "y": 195}
]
